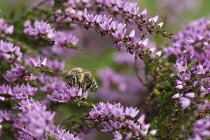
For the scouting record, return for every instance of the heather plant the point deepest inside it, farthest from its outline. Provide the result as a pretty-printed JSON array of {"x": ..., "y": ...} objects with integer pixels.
[{"x": 145, "y": 90}]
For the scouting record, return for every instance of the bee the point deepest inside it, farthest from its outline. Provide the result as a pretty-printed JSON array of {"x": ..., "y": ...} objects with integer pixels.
[{"x": 78, "y": 77}]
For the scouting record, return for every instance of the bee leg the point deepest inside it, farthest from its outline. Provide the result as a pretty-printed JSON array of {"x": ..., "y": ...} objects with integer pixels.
[{"x": 83, "y": 86}]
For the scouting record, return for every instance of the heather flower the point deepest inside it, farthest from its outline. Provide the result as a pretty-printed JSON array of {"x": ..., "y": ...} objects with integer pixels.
[
  {"x": 33, "y": 119},
  {"x": 55, "y": 65},
  {"x": 181, "y": 65},
  {"x": 143, "y": 43},
  {"x": 132, "y": 36},
  {"x": 201, "y": 129},
  {"x": 153, "y": 20},
  {"x": 6, "y": 115},
  {"x": 67, "y": 95},
  {"x": 131, "y": 112},
  {"x": 9, "y": 29},
  {"x": 4, "y": 28},
  {"x": 15, "y": 73},
  {"x": 51, "y": 83},
  {"x": 190, "y": 43},
  {"x": 62, "y": 39},
  {"x": 36, "y": 62},
  {"x": 23, "y": 92},
  {"x": 117, "y": 135},
  {"x": 89, "y": 17},
  {"x": 185, "y": 102},
  {"x": 5, "y": 90},
  {"x": 40, "y": 27},
  {"x": 10, "y": 52},
  {"x": 62, "y": 134},
  {"x": 105, "y": 115}
]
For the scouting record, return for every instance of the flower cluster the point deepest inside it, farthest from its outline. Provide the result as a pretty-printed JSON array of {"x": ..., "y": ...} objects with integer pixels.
[
  {"x": 43, "y": 29},
  {"x": 36, "y": 62},
  {"x": 4, "y": 28},
  {"x": 201, "y": 129},
  {"x": 106, "y": 26},
  {"x": 9, "y": 52},
  {"x": 187, "y": 79},
  {"x": 17, "y": 93},
  {"x": 127, "y": 9},
  {"x": 6, "y": 116},
  {"x": 51, "y": 83},
  {"x": 114, "y": 118},
  {"x": 192, "y": 43},
  {"x": 17, "y": 72},
  {"x": 62, "y": 134},
  {"x": 67, "y": 94},
  {"x": 33, "y": 120}
]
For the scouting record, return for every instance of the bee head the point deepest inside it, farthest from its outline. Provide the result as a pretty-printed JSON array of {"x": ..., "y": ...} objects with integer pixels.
[{"x": 71, "y": 80}]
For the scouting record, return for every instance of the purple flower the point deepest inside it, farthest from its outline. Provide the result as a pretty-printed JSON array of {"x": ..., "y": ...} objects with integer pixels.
[
  {"x": 34, "y": 119},
  {"x": 16, "y": 72},
  {"x": 118, "y": 110},
  {"x": 6, "y": 115},
  {"x": 106, "y": 127},
  {"x": 131, "y": 112},
  {"x": 62, "y": 134},
  {"x": 36, "y": 62},
  {"x": 153, "y": 20},
  {"x": 132, "y": 36},
  {"x": 51, "y": 83},
  {"x": 202, "y": 69},
  {"x": 89, "y": 17},
  {"x": 197, "y": 33},
  {"x": 190, "y": 95},
  {"x": 55, "y": 65},
  {"x": 67, "y": 95},
  {"x": 141, "y": 119},
  {"x": 201, "y": 129},
  {"x": 9, "y": 29},
  {"x": 144, "y": 14},
  {"x": 175, "y": 96},
  {"x": 185, "y": 102},
  {"x": 181, "y": 65},
  {"x": 5, "y": 90},
  {"x": 22, "y": 92},
  {"x": 143, "y": 43},
  {"x": 6, "y": 28},
  {"x": 10, "y": 52},
  {"x": 69, "y": 12},
  {"x": 112, "y": 116},
  {"x": 117, "y": 135},
  {"x": 119, "y": 29},
  {"x": 40, "y": 27},
  {"x": 62, "y": 39}
]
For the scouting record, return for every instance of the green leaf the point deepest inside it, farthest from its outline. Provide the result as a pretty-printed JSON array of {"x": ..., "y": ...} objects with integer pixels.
[
  {"x": 87, "y": 124},
  {"x": 46, "y": 70},
  {"x": 191, "y": 63},
  {"x": 46, "y": 38},
  {"x": 71, "y": 46}
]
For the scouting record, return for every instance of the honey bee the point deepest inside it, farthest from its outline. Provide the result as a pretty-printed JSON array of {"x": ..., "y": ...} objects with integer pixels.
[{"x": 78, "y": 77}]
